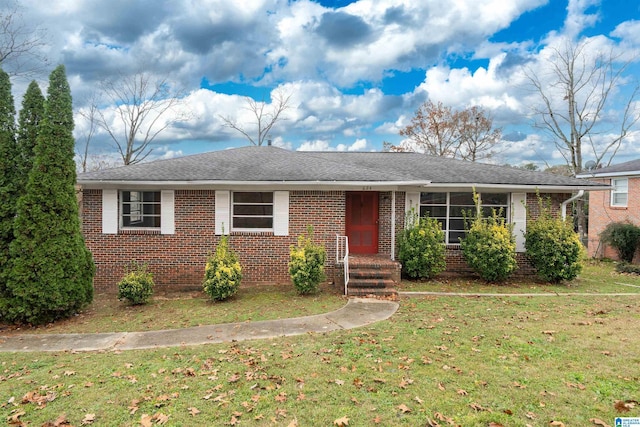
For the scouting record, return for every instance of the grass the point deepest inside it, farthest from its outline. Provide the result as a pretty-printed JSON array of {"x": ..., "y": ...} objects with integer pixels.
[
  {"x": 598, "y": 277},
  {"x": 511, "y": 361},
  {"x": 171, "y": 310}
]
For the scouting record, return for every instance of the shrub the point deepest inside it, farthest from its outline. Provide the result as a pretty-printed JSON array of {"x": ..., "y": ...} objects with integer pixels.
[
  {"x": 223, "y": 272},
  {"x": 624, "y": 267},
  {"x": 624, "y": 237},
  {"x": 490, "y": 248},
  {"x": 421, "y": 247},
  {"x": 553, "y": 248},
  {"x": 137, "y": 285},
  {"x": 306, "y": 264}
]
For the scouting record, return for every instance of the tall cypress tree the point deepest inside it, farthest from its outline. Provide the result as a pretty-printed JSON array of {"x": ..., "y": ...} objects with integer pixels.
[
  {"x": 52, "y": 271},
  {"x": 30, "y": 116},
  {"x": 8, "y": 176}
]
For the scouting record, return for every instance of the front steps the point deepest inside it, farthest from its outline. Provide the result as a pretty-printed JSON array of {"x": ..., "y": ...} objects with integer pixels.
[{"x": 373, "y": 275}]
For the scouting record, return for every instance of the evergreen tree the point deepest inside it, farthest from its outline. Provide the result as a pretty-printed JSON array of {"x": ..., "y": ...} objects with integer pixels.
[
  {"x": 51, "y": 269},
  {"x": 28, "y": 121},
  {"x": 8, "y": 176}
]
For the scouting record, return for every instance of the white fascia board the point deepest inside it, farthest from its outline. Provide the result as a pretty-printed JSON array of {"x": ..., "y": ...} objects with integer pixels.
[
  {"x": 630, "y": 174},
  {"x": 518, "y": 187},
  {"x": 321, "y": 185}
]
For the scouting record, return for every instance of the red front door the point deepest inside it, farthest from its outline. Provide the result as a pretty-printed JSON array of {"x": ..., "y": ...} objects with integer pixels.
[{"x": 362, "y": 222}]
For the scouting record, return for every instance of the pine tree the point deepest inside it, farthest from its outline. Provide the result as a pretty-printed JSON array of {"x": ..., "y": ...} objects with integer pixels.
[
  {"x": 8, "y": 175},
  {"x": 51, "y": 269},
  {"x": 30, "y": 116}
]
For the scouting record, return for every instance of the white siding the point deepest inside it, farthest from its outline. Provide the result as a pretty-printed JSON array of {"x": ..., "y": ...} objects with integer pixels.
[
  {"x": 519, "y": 218},
  {"x": 281, "y": 213},
  {"x": 167, "y": 212},
  {"x": 223, "y": 210},
  {"x": 110, "y": 211}
]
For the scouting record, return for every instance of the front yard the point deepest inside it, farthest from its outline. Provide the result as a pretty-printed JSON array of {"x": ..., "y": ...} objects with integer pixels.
[{"x": 469, "y": 361}]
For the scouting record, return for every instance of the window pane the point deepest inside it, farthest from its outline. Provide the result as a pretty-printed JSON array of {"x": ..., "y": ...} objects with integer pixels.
[
  {"x": 620, "y": 199},
  {"x": 620, "y": 185},
  {"x": 462, "y": 211},
  {"x": 252, "y": 222},
  {"x": 488, "y": 211},
  {"x": 140, "y": 208},
  {"x": 456, "y": 224},
  {"x": 433, "y": 211},
  {"x": 253, "y": 197},
  {"x": 454, "y": 236},
  {"x": 495, "y": 199},
  {"x": 433, "y": 198},
  {"x": 461, "y": 199},
  {"x": 256, "y": 210}
]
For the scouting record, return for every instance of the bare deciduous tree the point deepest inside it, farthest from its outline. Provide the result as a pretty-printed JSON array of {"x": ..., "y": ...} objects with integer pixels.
[
  {"x": 266, "y": 116},
  {"x": 578, "y": 95},
  {"x": 478, "y": 137},
  {"x": 20, "y": 45},
  {"x": 90, "y": 115},
  {"x": 143, "y": 108},
  {"x": 575, "y": 98},
  {"x": 439, "y": 130}
]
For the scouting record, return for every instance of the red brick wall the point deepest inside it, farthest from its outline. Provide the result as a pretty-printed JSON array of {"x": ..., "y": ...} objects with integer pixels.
[
  {"x": 602, "y": 213},
  {"x": 179, "y": 259}
]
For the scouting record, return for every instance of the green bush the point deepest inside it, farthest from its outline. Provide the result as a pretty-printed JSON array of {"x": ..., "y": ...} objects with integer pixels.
[
  {"x": 306, "y": 264},
  {"x": 625, "y": 267},
  {"x": 421, "y": 247},
  {"x": 553, "y": 248},
  {"x": 137, "y": 285},
  {"x": 490, "y": 248},
  {"x": 223, "y": 272},
  {"x": 624, "y": 237}
]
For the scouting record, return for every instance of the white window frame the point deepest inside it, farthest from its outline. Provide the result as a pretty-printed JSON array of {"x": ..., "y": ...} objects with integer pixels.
[
  {"x": 252, "y": 229},
  {"x": 138, "y": 212},
  {"x": 224, "y": 209},
  {"x": 620, "y": 187},
  {"x": 447, "y": 205}
]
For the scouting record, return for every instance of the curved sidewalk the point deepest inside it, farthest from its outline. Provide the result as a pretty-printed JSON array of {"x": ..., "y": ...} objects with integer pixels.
[{"x": 357, "y": 312}]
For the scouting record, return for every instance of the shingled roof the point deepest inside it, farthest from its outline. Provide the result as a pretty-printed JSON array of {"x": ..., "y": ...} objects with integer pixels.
[
  {"x": 626, "y": 168},
  {"x": 276, "y": 165}
]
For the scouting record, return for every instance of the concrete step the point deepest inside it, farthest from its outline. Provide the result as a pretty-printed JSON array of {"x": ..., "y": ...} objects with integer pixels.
[
  {"x": 372, "y": 292},
  {"x": 360, "y": 282}
]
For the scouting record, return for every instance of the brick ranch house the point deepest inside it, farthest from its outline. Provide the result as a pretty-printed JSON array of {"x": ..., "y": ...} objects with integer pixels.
[
  {"x": 171, "y": 213},
  {"x": 620, "y": 204}
]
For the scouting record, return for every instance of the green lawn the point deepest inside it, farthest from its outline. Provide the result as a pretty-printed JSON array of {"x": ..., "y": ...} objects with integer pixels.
[
  {"x": 469, "y": 361},
  {"x": 596, "y": 278}
]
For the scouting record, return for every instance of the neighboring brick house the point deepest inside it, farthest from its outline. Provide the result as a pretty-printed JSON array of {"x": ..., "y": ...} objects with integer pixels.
[
  {"x": 620, "y": 203},
  {"x": 171, "y": 213}
]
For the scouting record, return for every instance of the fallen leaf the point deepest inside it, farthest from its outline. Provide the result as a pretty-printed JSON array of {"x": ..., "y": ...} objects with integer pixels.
[
  {"x": 557, "y": 424},
  {"x": 492, "y": 424},
  {"x": 293, "y": 423},
  {"x": 462, "y": 392},
  {"x": 599, "y": 422},
  {"x": 88, "y": 419},
  {"x": 193, "y": 411},
  {"x": 624, "y": 405},
  {"x": 341, "y": 422},
  {"x": 404, "y": 408},
  {"x": 339, "y": 382}
]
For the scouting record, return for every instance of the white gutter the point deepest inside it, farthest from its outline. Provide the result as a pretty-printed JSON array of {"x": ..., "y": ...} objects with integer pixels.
[
  {"x": 518, "y": 187},
  {"x": 360, "y": 185},
  {"x": 566, "y": 202}
]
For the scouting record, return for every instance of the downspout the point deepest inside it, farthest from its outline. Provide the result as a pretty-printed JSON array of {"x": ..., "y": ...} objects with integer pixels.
[
  {"x": 393, "y": 225},
  {"x": 563, "y": 207}
]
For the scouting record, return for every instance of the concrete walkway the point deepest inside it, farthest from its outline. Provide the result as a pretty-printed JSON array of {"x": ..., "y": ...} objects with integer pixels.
[{"x": 357, "y": 312}]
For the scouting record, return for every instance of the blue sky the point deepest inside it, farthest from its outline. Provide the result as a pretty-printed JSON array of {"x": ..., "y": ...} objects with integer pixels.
[{"x": 356, "y": 70}]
